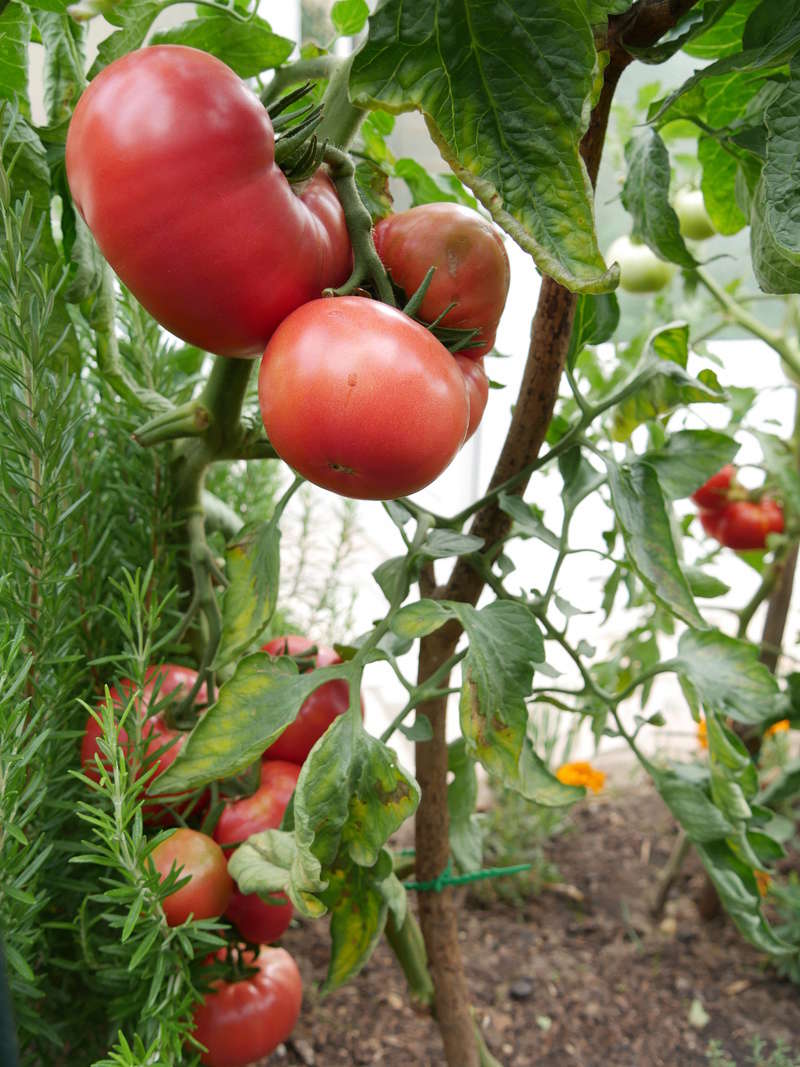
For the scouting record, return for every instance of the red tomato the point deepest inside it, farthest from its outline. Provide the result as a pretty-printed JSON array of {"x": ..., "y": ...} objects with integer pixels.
[
  {"x": 470, "y": 260},
  {"x": 710, "y": 521},
  {"x": 477, "y": 389},
  {"x": 745, "y": 525},
  {"x": 360, "y": 399},
  {"x": 162, "y": 741},
  {"x": 317, "y": 711},
  {"x": 171, "y": 162},
  {"x": 259, "y": 920},
  {"x": 240, "y": 1022},
  {"x": 210, "y": 888},
  {"x": 713, "y": 495}
]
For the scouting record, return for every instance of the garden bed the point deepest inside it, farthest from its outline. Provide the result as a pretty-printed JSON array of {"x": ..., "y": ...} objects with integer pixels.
[{"x": 592, "y": 983}]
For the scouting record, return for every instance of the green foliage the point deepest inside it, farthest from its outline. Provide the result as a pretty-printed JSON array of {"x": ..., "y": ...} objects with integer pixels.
[{"x": 492, "y": 129}]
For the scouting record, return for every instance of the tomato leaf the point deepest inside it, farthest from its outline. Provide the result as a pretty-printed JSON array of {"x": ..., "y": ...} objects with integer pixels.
[
  {"x": 689, "y": 458},
  {"x": 349, "y": 16},
  {"x": 596, "y": 319},
  {"x": 645, "y": 195},
  {"x": 63, "y": 41},
  {"x": 134, "y": 19},
  {"x": 419, "y": 619},
  {"x": 639, "y": 506},
  {"x": 704, "y": 585},
  {"x": 358, "y": 915},
  {"x": 770, "y": 38},
  {"x": 504, "y": 93},
  {"x": 253, "y": 569},
  {"x": 776, "y": 208},
  {"x": 427, "y": 188},
  {"x": 505, "y": 644},
  {"x": 248, "y": 47},
  {"x": 394, "y": 578},
  {"x": 466, "y": 838},
  {"x": 15, "y": 33},
  {"x": 253, "y": 708},
  {"x": 724, "y": 37},
  {"x": 692, "y": 24},
  {"x": 727, "y": 676},
  {"x": 660, "y": 382},
  {"x": 439, "y": 544},
  {"x": 720, "y": 169},
  {"x": 527, "y": 519}
]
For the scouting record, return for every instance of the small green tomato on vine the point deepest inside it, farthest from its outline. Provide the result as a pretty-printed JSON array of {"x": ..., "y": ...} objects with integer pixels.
[
  {"x": 695, "y": 221},
  {"x": 640, "y": 269}
]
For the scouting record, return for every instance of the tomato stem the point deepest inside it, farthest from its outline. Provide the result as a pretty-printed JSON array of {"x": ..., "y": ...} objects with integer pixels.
[{"x": 367, "y": 265}]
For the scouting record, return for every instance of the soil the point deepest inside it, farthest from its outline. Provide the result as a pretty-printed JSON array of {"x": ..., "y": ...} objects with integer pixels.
[{"x": 562, "y": 981}]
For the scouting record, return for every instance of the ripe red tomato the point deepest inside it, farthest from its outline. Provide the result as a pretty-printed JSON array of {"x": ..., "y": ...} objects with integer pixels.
[
  {"x": 259, "y": 920},
  {"x": 163, "y": 742},
  {"x": 360, "y": 399},
  {"x": 241, "y": 1022},
  {"x": 210, "y": 888},
  {"x": 710, "y": 521},
  {"x": 477, "y": 389},
  {"x": 713, "y": 495},
  {"x": 470, "y": 260},
  {"x": 744, "y": 524},
  {"x": 171, "y": 162},
  {"x": 317, "y": 711}
]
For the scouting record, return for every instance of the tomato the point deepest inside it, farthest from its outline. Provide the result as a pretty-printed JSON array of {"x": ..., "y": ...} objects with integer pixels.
[
  {"x": 470, "y": 259},
  {"x": 163, "y": 742},
  {"x": 641, "y": 271},
  {"x": 694, "y": 220},
  {"x": 713, "y": 495},
  {"x": 744, "y": 524},
  {"x": 259, "y": 920},
  {"x": 317, "y": 711},
  {"x": 360, "y": 399},
  {"x": 477, "y": 389},
  {"x": 710, "y": 521},
  {"x": 210, "y": 888},
  {"x": 170, "y": 161},
  {"x": 241, "y": 1022}
]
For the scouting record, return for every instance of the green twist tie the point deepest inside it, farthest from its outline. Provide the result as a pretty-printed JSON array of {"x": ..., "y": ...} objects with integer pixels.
[{"x": 446, "y": 878}]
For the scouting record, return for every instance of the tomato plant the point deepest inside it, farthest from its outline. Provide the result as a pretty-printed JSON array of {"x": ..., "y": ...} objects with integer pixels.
[
  {"x": 239, "y": 1022},
  {"x": 318, "y": 710},
  {"x": 164, "y": 742},
  {"x": 196, "y": 856},
  {"x": 384, "y": 404},
  {"x": 259, "y": 920},
  {"x": 171, "y": 162},
  {"x": 640, "y": 269},
  {"x": 469, "y": 258}
]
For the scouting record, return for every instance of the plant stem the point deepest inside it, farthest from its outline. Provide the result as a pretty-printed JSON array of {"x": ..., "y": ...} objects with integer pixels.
[
  {"x": 341, "y": 118},
  {"x": 785, "y": 347},
  {"x": 671, "y": 870},
  {"x": 294, "y": 73}
]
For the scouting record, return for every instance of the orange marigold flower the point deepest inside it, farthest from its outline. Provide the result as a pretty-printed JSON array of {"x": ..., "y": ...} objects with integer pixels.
[
  {"x": 777, "y": 728},
  {"x": 762, "y": 881},
  {"x": 581, "y": 773},
  {"x": 702, "y": 734}
]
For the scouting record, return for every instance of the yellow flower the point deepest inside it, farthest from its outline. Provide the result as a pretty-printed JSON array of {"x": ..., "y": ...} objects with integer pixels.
[
  {"x": 777, "y": 728},
  {"x": 581, "y": 773},
  {"x": 762, "y": 881},
  {"x": 702, "y": 734}
]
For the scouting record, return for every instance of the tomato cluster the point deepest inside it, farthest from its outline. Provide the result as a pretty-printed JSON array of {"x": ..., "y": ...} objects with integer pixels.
[
  {"x": 243, "y": 1019},
  {"x": 735, "y": 521},
  {"x": 171, "y": 162}
]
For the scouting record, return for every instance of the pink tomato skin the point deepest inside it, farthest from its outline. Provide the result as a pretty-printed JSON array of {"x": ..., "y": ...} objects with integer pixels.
[
  {"x": 477, "y": 390},
  {"x": 171, "y": 162},
  {"x": 360, "y": 399}
]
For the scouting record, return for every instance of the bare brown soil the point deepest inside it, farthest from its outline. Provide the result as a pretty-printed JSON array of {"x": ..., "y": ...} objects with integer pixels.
[{"x": 560, "y": 982}]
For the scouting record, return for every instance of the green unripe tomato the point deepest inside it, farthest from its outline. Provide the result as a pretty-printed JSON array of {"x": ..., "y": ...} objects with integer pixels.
[
  {"x": 640, "y": 269},
  {"x": 695, "y": 222}
]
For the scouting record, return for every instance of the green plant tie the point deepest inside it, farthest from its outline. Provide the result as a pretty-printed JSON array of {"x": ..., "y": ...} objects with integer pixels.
[{"x": 446, "y": 878}]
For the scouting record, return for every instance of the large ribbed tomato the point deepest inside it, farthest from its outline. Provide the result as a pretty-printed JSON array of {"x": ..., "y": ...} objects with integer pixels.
[
  {"x": 471, "y": 266},
  {"x": 196, "y": 856},
  {"x": 241, "y": 1022},
  {"x": 171, "y": 162},
  {"x": 360, "y": 399}
]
